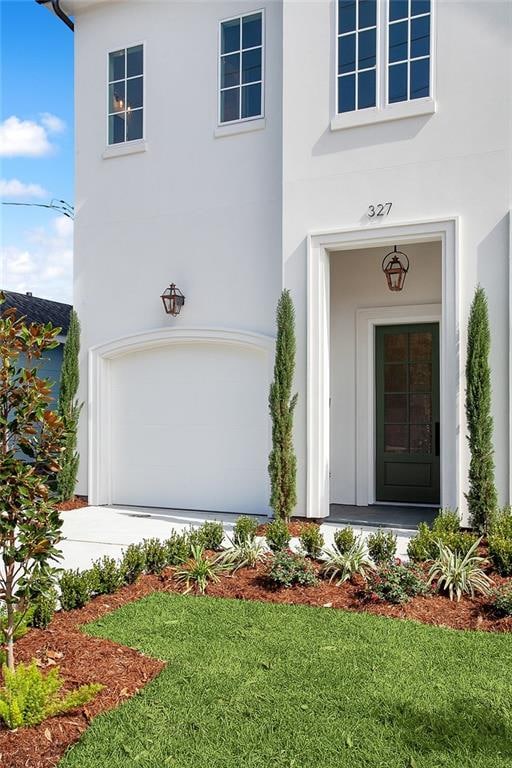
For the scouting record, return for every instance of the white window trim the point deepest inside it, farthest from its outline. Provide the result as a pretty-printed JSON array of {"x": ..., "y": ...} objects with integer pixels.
[
  {"x": 241, "y": 120},
  {"x": 135, "y": 144},
  {"x": 384, "y": 112}
]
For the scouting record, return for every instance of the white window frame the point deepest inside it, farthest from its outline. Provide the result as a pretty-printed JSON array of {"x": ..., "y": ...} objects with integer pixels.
[
  {"x": 131, "y": 142},
  {"x": 384, "y": 111},
  {"x": 261, "y": 115}
]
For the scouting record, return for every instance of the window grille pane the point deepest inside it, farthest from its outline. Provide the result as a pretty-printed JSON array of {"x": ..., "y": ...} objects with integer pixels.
[
  {"x": 420, "y": 37},
  {"x": 134, "y": 61},
  {"x": 346, "y": 54},
  {"x": 251, "y": 100},
  {"x": 367, "y": 13},
  {"x": 347, "y": 93},
  {"x": 366, "y": 89},
  {"x": 398, "y": 9},
  {"x": 134, "y": 124},
  {"x": 116, "y": 98},
  {"x": 420, "y": 79},
  {"x": 230, "y": 70},
  {"x": 230, "y": 105},
  {"x": 116, "y": 66},
  {"x": 367, "y": 49},
  {"x": 251, "y": 66},
  {"x": 398, "y": 41},
  {"x": 116, "y": 129},
  {"x": 420, "y": 6},
  {"x": 397, "y": 83},
  {"x": 346, "y": 16},
  {"x": 134, "y": 93},
  {"x": 252, "y": 31},
  {"x": 230, "y": 36}
]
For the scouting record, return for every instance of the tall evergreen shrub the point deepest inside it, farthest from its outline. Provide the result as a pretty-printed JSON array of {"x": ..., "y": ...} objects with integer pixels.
[
  {"x": 482, "y": 499},
  {"x": 69, "y": 410},
  {"x": 282, "y": 464}
]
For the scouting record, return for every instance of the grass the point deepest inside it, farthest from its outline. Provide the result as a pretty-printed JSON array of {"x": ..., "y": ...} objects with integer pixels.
[{"x": 269, "y": 686}]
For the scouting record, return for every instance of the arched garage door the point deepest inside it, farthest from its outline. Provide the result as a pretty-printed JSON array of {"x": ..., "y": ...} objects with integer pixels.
[{"x": 189, "y": 427}]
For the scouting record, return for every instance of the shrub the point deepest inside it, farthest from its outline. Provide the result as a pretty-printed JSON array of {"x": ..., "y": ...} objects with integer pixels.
[
  {"x": 44, "y": 606},
  {"x": 28, "y": 696},
  {"x": 244, "y": 529},
  {"x": 501, "y": 523},
  {"x": 247, "y": 554},
  {"x": 278, "y": 535},
  {"x": 133, "y": 563},
  {"x": 343, "y": 566},
  {"x": 177, "y": 548},
  {"x": 76, "y": 589},
  {"x": 287, "y": 568},
  {"x": 155, "y": 555},
  {"x": 460, "y": 574},
  {"x": 107, "y": 575},
  {"x": 502, "y": 600},
  {"x": 282, "y": 462},
  {"x": 424, "y": 545},
  {"x": 312, "y": 540},
  {"x": 344, "y": 539},
  {"x": 69, "y": 409},
  {"x": 199, "y": 570},
  {"x": 382, "y": 546},
  {"x": 211, "y": 534},
  {"x": 397, "y": 583},
  {"x": 481, "y": 498},
  {"x": 500, "y": 551}
]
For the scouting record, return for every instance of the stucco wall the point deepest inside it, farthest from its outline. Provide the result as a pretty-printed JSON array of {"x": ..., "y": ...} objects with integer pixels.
[
  {"x": 357, "y": 282},
  {"x": 455, "y": 162}
]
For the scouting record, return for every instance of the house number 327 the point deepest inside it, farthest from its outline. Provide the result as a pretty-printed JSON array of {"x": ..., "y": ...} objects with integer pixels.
[{"x": 380, "y": 209}]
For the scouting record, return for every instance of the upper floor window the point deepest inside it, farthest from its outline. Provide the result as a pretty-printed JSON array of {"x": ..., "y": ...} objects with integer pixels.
[
  {"x": 241, "y": 68},
  {"x": 126, "y": 94},
  {"x": 383, "y": 53}
]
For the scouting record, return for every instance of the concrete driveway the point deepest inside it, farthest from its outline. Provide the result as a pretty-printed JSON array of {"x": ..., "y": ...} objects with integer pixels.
[{"x": 92, "y": 532}]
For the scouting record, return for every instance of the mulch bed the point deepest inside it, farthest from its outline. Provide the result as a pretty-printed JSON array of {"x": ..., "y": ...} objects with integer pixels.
[
  {"x": 76, "y": 503},
  {"x": 124, "y": 671},
  {"x": 295, "y": 527}
]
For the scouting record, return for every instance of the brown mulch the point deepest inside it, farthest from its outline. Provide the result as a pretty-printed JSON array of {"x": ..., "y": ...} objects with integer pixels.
[
  {"x": 76, "y": 503},
  {"x": 295, "y": 527},
  {"x": 123, "y": 671},
  {"x": 82, "y": 659}
]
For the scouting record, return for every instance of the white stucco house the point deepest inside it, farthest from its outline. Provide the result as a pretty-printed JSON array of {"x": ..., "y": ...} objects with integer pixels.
[{"x": 234, "y": 148}]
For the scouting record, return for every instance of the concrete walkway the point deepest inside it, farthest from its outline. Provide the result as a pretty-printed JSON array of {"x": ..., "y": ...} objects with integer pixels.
[{"x": 91, "y": 532}]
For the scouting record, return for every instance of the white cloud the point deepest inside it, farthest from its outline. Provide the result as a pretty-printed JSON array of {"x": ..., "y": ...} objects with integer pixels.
[
  {"x": 52, "y": 123},
  {"x": 17, "y": 188},
  {"x": 42, "y": 265},
  {"x": 27, "y": 138}
]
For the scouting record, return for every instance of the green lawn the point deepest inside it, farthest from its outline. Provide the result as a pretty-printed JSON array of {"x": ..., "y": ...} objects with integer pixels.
[{"x": 256, "y": 685}]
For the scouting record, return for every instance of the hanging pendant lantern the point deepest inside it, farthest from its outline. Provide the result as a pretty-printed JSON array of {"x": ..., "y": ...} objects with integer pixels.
[{"x": 395, "y": 266}]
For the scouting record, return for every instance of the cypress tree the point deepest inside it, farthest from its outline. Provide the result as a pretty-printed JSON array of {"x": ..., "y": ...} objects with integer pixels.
[
  {"x": 482, "y": 498},
  {"x": 282, "y": 464},
  {"x": 69, "y": 410}
]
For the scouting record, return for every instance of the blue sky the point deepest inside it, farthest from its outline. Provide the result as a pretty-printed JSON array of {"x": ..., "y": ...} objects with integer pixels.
[{"x": 36, "y": 149}]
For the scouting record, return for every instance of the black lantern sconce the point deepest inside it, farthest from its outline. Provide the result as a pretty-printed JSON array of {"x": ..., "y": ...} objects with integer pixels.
[
  {"x": 173, "y": 300},
  {"x": 395, "y": 266}
]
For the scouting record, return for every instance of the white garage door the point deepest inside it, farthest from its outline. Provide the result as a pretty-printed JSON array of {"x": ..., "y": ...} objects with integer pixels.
[{"x": 190, "y": 427}]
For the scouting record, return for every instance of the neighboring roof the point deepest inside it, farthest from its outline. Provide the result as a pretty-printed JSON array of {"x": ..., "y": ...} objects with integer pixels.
[{"x": 39, "y": 310}]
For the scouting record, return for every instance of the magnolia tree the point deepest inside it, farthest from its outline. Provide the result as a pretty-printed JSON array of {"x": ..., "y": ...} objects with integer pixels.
[{"x": 31, "y": 440}]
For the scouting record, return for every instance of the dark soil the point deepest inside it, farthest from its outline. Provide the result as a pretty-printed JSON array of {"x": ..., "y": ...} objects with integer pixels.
[{"x": 124, "y": 671}]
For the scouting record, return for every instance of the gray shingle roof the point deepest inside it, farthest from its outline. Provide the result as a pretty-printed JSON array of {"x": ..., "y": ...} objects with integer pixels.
[{"x": 38, "y": 310}]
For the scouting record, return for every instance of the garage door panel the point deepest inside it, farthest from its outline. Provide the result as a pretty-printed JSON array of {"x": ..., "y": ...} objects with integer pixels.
[{"x": 190, "y": 428}]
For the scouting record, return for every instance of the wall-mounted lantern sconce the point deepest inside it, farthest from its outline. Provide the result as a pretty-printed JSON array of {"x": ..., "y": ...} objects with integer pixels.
[
  {"x": 395, "y": 266},
  {"x": 173, "y": 300}
]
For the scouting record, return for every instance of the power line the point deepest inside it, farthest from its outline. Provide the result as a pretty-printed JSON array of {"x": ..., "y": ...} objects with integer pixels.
[{"x": 56, "y": 205}]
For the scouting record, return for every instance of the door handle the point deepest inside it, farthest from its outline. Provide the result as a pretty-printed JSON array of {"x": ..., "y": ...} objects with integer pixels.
[{"x": 437, "y": 438}]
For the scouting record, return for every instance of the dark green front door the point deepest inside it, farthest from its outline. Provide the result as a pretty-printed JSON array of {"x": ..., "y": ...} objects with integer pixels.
[{"x": 407, "y": 413}]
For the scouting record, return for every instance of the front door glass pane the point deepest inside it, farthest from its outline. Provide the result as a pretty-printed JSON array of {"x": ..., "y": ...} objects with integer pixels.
[
  {"x": 395, "y": 347},
  {"x": 396, "y": 438}
]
